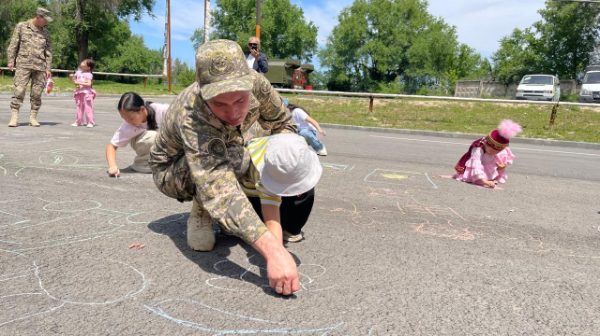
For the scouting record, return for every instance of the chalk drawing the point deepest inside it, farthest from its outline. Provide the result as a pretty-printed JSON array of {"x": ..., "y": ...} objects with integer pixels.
[
  {"x": 22, "y": 233},
  {"x": 17, "y": 271},
  {"x": 57, "y": 159},
  {"x": 479, "y": 186},
  {"x": 248, "y": 279},
  {"x": 195, "y": 306},
  {"x": 411, "y": 179},
  {"x": 336, "y": 167}
]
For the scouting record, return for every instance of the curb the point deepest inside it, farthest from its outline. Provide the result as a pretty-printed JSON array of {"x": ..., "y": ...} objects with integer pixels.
[{"x": 467, "y": 136}]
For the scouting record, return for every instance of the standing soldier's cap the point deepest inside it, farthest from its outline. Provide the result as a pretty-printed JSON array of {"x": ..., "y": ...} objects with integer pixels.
[
  {"x": 221, "y": 67},
  {"x": 44, "y": 13}
]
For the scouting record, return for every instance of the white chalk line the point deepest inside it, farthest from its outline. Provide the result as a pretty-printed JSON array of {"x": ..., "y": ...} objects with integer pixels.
[
  {"x": 131, "y": 294},
  {"x": 201, "y": 326}
]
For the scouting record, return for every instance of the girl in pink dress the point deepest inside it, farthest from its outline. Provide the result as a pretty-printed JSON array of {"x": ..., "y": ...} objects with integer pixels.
[
  {"x": 486, "y": 161},
  {"x": 84, "y": 94}
]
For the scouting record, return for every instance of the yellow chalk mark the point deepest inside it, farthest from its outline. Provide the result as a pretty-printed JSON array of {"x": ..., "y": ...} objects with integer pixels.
[{"x": 395, "y": 176}]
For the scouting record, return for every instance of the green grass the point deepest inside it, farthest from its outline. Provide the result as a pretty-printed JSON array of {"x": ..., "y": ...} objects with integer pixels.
[
  {"x": 573, "y": 123},
  {"x": 64, "y": 85}
]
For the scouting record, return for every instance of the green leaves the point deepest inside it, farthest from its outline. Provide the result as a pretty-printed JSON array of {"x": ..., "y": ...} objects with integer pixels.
[
  {"x": 561, "y": 44},
  {"x": 284, "y": 31},
  {"x": 394, "y": 45}
]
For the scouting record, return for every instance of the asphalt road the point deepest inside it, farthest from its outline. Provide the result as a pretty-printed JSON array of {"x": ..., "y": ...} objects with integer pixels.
[{"x": 393, "y": 246}]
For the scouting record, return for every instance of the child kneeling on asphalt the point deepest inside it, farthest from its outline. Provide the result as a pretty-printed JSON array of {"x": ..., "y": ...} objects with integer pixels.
[{"x": 280, "y": 183}]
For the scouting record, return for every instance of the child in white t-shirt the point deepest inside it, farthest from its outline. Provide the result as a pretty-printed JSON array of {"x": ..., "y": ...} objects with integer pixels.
[
  {"x": 307, "y": 127},
  {"x": 142, "y": 120}
]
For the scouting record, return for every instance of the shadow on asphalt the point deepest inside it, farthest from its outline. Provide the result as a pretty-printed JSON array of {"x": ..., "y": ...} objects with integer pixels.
[{"x": 174, "y": 227}]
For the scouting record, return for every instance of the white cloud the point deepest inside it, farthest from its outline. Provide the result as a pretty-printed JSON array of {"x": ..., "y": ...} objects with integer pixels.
[
  {"x": 324, "y": 16},
  {"x": 481, "y": 24}
]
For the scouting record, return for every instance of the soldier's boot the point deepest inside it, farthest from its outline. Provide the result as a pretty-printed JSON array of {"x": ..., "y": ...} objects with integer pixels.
[
  {"x": 200, "y": 234},
  {"x": 14, "y": 118},
  {"x": 32, "y": 121}
]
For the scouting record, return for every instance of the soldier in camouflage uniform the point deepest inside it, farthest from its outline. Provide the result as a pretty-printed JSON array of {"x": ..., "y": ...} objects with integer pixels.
[
  {"x": 199, "y": 153},
  {"x": 30, "y": 51}
]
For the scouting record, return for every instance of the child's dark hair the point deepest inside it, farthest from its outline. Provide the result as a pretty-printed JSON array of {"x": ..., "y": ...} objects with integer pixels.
[
  {"x": 131, "y": 101},
  {"x": 90, "y": 63},
  {"x": 294, "y": 106}
]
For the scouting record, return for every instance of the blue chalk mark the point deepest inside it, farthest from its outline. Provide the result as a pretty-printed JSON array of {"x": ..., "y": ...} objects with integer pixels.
[{"x": 200, "y": 326}]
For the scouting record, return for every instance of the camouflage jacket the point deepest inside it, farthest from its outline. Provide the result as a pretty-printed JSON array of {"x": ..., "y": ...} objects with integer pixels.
[
  {"x": 216, "y": 154},
  {"x": 30, "y": 47}
]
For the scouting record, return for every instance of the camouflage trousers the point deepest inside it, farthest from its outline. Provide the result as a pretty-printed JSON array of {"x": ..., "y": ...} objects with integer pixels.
[
  {"x": 176, "y": 180},
  {"x": 38, "y": 83}
]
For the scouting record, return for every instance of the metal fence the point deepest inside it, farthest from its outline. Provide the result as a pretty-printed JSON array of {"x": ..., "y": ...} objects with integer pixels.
[{"x": 144, "y": 76}]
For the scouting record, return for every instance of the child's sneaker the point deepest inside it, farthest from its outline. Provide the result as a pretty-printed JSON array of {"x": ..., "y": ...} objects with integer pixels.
[
  {"x": 75, "y": 124},
  {"x": 90, "y": 125},
  {"x": 290, "y": 238},
  {"x": 322, "y": 152}
]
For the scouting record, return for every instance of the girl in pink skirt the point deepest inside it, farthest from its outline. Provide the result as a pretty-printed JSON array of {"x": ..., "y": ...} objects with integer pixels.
[
  {"x": 486, "y": 161},
  {"x": 84, "y": 94}
]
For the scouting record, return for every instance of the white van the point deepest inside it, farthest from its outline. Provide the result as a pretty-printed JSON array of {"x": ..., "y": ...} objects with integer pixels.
[
  {"x": 539, "y": 87},
  {"x": 590, "y": 86}
]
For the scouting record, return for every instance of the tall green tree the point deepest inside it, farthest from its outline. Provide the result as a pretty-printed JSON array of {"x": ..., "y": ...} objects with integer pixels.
[
  {"x": 516, "y": 57},
  {"x": 86, "y": 10},
  {"x": 568, "y": 34},
  {"x": 561, "y": 44},
  {"x": 284, "y": 33},
  {"x": 388, "y": 43}
]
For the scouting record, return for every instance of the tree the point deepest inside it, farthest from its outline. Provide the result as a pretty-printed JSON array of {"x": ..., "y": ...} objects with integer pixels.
[
  {"x": 388, "y": 43},
  {"x": 284, "y": 30},
  {"x": 133, "y": 57},
  {"x": 86, "y": 10},
  {"x": 568, "y": 34},
  {"x": 561, "y": 44},
  {"x": 516, "y": 56}
]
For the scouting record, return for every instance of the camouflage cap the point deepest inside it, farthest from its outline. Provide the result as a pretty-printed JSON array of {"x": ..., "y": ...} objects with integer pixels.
[
  {"x": 44, "y": 13},
  {"x": 221, "y": 67}
]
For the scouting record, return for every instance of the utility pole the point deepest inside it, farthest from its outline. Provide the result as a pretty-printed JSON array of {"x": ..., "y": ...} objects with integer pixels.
[
  {"x": 258, "y": 18},
  {"x": 169, "y": 35},
  {"x": 206, "y": 19}
]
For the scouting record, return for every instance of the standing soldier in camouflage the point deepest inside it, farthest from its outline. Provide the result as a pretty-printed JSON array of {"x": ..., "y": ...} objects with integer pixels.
[
  {"x": 30, "y": 52},
  {"x": 199, "y": 153}
]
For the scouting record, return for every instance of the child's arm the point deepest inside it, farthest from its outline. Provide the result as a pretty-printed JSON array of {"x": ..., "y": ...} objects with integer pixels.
[
  {"x": 111, "y": 158},
  {"x": 86, "y": 82},
  {"x": 316, "y": 124},
  {"x": 271, "y": 216}
]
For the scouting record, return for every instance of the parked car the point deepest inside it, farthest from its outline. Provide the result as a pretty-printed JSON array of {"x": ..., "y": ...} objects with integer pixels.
[
  {"x": 538, "y": 87},
  {"x": 590, "y": 86}
]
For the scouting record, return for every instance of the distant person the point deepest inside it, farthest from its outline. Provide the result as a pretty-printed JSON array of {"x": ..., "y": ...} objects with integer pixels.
[
  {"x": 256, "y": 59},
  {"x": 308, "y": 128},
  {"x": 486, "y": 161},
  {"x": 142, "y": 120},
  {"x": 84, "y": 94},
  {"x": 30, "y": 52},
  {"x": 280, "y": 183}
]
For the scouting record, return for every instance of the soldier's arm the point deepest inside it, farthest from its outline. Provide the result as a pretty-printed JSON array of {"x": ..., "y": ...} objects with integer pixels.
[
  {"x": 48, "y": 52},
  {"x": 13, "y": 47},
  {"x": 274, "y": 115}
]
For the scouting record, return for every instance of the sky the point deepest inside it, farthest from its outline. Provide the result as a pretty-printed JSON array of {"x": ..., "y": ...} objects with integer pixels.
[{"x": 479, "y": 23}]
